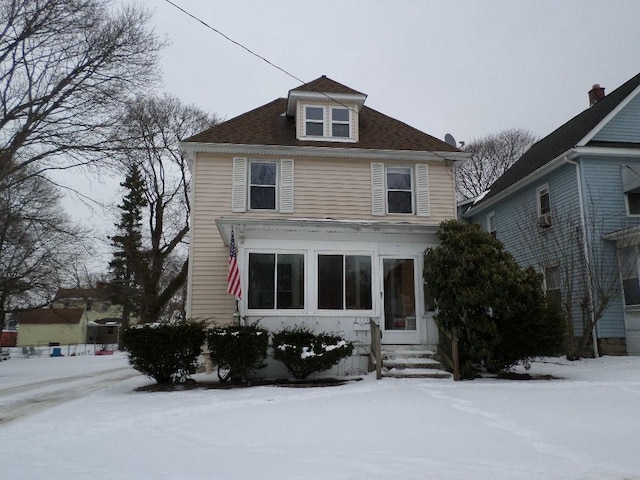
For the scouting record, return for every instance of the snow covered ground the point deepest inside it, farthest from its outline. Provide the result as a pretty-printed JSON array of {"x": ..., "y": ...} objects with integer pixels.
[{"x": 87, "y": 422}]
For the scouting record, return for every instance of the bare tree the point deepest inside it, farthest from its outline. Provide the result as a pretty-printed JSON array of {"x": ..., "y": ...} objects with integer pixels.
[
  {"x": 154, "y": 127},
  {"x": 491, "y": 157},
  {"x": 66, "y": 67},
  {"x": 588, "y": 279},
  {"x": 38, "y": 244}
]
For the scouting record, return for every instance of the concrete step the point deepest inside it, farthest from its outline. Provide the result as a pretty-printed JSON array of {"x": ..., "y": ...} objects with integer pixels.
[
  {"x": 415, "y": 373},
  {"x": 411, "y": 361}
]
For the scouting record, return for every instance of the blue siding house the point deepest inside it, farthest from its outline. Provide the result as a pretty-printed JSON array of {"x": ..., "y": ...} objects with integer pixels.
[{"x": 570, "y": 207}]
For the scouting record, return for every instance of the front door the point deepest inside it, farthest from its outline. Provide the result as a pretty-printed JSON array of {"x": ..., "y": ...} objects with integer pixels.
[{"x": 399, "y": 323}]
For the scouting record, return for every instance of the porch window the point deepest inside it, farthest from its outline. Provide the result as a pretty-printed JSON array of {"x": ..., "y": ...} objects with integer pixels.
[
  {"x": 276, "y": 281},
  {"x": 628, "y": 258},
  {"x": 344, "y": 282}
]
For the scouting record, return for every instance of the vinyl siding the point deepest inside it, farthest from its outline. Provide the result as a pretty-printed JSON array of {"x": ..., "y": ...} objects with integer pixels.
[
  {"x": 624, "y": 127},
  {"x": 517, "y": 228},
  {"x": 323, "y": 188},
  {"x": 605, "y": 212}
]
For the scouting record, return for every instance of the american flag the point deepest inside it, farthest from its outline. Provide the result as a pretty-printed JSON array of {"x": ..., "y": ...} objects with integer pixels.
[{"x": 233, "y": 278}]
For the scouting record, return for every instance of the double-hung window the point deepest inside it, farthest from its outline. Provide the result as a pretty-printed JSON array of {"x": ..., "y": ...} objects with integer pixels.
[
  {"x": 628, "y": 258},
  {"x": 491, "y": 224},
  {"x": 544, "y": 206},
  {"x": 262, "y": 184},
  {"x": 631, "y": 187},
  {"x": 340, "y": 122},
  {"x": 314, "y": 121},
  {"x": 276, "y": 281},
  {"x": 324, "y": 122},
  {"x": 344, "y": 282},
  {"x": 552, "y": 286},
  {"x": 399, "y": 190},
  {"x": 262, "y": 187}
]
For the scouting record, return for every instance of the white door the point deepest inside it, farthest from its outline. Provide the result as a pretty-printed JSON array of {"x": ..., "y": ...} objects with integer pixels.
[{"x": 399, "y": 301}]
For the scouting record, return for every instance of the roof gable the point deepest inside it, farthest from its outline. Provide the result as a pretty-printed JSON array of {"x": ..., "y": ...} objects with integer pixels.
[
  {"x": 325, "y": 85},
  {"x": 567, "y": 136}
]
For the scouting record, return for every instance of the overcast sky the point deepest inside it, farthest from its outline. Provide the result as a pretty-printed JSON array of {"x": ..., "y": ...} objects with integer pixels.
[{"x": 468, "y": 68}]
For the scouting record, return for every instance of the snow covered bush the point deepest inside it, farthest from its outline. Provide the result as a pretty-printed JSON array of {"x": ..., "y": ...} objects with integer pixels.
[
  {"x": 237, "y": 350},
  {"x": 166, "y": 352},
  {"x": 304, "y": 352}
]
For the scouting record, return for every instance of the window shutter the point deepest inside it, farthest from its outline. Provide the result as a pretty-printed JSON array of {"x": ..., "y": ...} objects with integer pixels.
[
  {"x": 422, "y": 191},
  {"x": 239, "y": 189},
  {"x": 377, "y": 189},
  {"x": 286, "y": 186}
]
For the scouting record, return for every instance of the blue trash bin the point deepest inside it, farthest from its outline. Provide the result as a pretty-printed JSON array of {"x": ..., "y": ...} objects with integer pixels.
[{"x": 56, "y": 352}]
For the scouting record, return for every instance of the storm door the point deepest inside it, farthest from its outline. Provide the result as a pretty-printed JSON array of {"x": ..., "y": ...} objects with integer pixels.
[{"x": 399, "y": 323}]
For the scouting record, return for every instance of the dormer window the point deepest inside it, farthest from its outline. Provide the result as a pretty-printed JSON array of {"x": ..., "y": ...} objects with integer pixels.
[
  {"x": 339, "y": 122},
  {"x": 314, "y": 121},
  {"x": 324, "y": 122}
]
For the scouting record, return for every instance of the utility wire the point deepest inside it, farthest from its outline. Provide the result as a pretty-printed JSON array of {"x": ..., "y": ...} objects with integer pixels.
[
  {"x": 302, "y": 82},
  {"x": 235, "y": 42}
]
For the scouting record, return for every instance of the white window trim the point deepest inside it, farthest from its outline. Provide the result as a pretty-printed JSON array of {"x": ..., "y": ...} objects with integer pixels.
[
  {"x": 327, "y": 124},
  {"x": 333, "y": 122},
  {"x": 276, "y": 186},
  {"x": 544, "y": 220},
  {"x": 420, "y": 189},
  {"x": 491, "y": 216},
  {"x": 341, "y": 312},
  {"x": 539, "y": 192},
  {"x": 241, "y": 185},
  {"x": 274, "y": 311},
  {"x": 626, "y": 205}
]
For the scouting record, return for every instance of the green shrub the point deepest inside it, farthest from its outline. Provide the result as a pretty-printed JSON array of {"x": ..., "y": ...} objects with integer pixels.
[
  {"x": 166, "y": 352},
  {"x": 304, "y": 352},
  {"x": 237, "y": 350}
]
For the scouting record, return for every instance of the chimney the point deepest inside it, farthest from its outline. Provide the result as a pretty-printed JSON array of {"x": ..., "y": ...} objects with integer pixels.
[{"x": 596, "y": 94}]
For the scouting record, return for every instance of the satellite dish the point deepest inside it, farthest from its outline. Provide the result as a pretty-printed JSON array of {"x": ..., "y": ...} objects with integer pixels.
[{"x": 448, "y": 138}]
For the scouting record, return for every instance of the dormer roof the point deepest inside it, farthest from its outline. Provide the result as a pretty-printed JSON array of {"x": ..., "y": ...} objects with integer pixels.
[{"x": 325, "y": 89}]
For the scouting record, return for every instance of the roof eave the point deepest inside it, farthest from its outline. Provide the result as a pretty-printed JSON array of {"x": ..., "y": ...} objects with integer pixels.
[
  {"x": 190, "y": 149},
  {"x": 532, "y": 177}
]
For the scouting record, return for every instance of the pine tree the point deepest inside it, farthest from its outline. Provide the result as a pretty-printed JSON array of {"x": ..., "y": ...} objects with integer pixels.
[{"x": 125, "y": 288}]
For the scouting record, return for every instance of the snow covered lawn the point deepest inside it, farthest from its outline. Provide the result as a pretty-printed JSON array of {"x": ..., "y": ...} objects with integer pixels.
[{"x": 585, "y": 425}]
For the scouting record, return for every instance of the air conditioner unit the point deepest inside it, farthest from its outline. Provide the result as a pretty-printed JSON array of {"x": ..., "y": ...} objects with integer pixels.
[{"x": 544, "y": 220}]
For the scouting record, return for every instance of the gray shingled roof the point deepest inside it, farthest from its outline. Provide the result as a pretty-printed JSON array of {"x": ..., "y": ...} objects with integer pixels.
[
  {"x": 268, "y": 125},
  {"x": 562, "y": 139}
]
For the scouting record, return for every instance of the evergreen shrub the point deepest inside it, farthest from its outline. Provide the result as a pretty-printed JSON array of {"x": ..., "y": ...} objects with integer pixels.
[
  {"x": 237, "y": 350},
  {"x": 304, "y": 352},
  {"x": 166, "y": 352}
]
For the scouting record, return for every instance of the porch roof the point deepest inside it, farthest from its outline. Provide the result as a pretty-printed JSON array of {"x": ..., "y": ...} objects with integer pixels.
[{"x": 250, "y": 225}]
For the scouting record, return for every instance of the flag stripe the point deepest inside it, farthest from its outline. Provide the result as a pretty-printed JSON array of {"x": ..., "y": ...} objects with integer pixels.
[{"x": 233, "y": 278}]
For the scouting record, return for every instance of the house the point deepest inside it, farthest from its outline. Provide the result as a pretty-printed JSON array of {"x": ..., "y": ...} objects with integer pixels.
[
  {"x": 102, "y": 317},
  {"x": 51, "y": 326},
  {"x": 76, "y": 316},
  {"x": 570, "y": 206},
  {"x": 331, "y": 205}
]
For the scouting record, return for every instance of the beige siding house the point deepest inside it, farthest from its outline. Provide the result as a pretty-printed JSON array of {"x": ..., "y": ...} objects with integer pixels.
[{"x": 332, "y": 205}]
